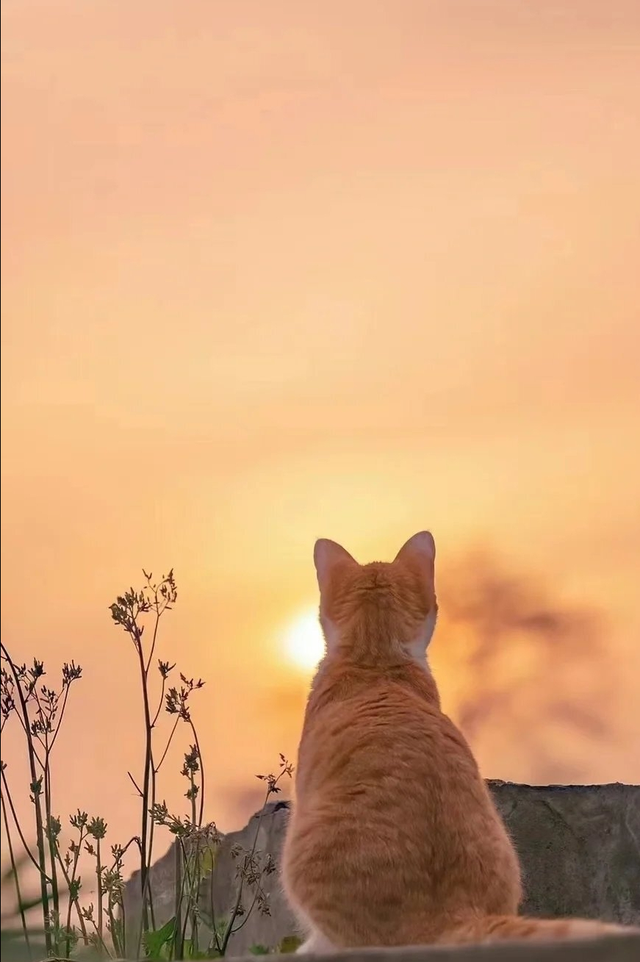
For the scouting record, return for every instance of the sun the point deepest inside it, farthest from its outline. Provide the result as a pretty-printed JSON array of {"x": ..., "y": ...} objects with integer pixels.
[{"x": 304, "y": 641}]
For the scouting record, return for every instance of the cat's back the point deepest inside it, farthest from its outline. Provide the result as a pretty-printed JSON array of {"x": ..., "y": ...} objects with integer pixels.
[
  {"x": 387, "y": 788},
  {"x": 368, "y": 732}
]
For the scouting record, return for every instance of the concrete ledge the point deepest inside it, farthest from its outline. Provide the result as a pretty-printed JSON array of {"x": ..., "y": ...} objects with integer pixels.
[{"x": 617, "y": 949}]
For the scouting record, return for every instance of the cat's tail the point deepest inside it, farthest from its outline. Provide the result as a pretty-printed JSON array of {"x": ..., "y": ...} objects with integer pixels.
[{"x": 503, "y": 928}]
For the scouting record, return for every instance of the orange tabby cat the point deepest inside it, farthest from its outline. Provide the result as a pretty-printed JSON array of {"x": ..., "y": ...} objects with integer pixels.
[{"x": 394, "y": 838}]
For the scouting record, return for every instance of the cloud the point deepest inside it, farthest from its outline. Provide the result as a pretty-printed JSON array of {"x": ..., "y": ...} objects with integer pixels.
[{"x": 528, "y": 677}]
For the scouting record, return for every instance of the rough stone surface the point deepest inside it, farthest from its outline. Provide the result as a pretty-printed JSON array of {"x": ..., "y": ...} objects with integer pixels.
[
  {"x": 626, "y": 949},
  {"x": 268, "y": 930},
  {"x": 579, "y": 847}
]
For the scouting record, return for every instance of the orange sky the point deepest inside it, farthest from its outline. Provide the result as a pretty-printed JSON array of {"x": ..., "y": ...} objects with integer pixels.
[{"x": 274, "y": 271}]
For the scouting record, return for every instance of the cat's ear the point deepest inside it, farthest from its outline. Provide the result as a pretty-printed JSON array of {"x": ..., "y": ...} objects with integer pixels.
[
  {"x": 421, "y": 548},
  {"x": 327, "y": 555}
]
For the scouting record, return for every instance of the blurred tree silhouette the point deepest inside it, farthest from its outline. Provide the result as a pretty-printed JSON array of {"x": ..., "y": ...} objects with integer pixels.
[{"x": 514, "y": 658}]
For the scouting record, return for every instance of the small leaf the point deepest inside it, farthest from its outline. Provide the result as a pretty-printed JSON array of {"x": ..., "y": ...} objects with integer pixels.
[
  {"x": 154, "y": 941},
  {"x": 208, "y": 859},
  {"x": 190, "y": 952},
  {"x": 289, "y": 943}
]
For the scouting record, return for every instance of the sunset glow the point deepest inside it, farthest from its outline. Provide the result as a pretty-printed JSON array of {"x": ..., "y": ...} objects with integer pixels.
[
  {"x": 280, "y": 271},
  {"x": 304, "y": 641}
]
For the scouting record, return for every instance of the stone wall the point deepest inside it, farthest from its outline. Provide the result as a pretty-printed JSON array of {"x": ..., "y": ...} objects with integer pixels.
[{"x": 579, "y": 847}]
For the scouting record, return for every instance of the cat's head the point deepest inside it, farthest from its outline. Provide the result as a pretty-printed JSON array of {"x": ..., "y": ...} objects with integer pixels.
[{"x": 381, "y": 612}]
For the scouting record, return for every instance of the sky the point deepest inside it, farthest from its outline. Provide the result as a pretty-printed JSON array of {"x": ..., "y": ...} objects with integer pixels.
[{"x": 274, "y": 272}]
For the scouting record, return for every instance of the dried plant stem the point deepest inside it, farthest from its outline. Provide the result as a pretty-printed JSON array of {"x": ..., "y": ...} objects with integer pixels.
[
  {"x": 16, "y": 877},
  {"x": 168, "y": 745},
  {"x": 49, "y": 830},
  {"x": 126, "y": 611},
  {"x": 113, "y": 924},
  {"x": 101, "y": 942},
  {"x": 145, "y": 852},
  {"x": 99, "y": 889},
  {"x": 234, "y": 914},
  {"x": 40, "y": 837},
  {"x": 177, "y": 934},
  {"x": 73, "y": 900},
  {"x": 123, "y": 918},
  {"x": 14, "y": 815},
  {"x": 187, "y": 889},
  {"x": 202, "y": 780},
  {"x": 194, "y": 887}
]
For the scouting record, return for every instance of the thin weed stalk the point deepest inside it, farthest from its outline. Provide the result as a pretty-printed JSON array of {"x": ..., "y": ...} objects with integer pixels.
[
  {"x": 249, "y": 872},
  {"x": 127, "y": 611},
  {"x": 16, "y": 878},
  {"x": 36, "y": 784},
  {"x": 40, "y": 712}
]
